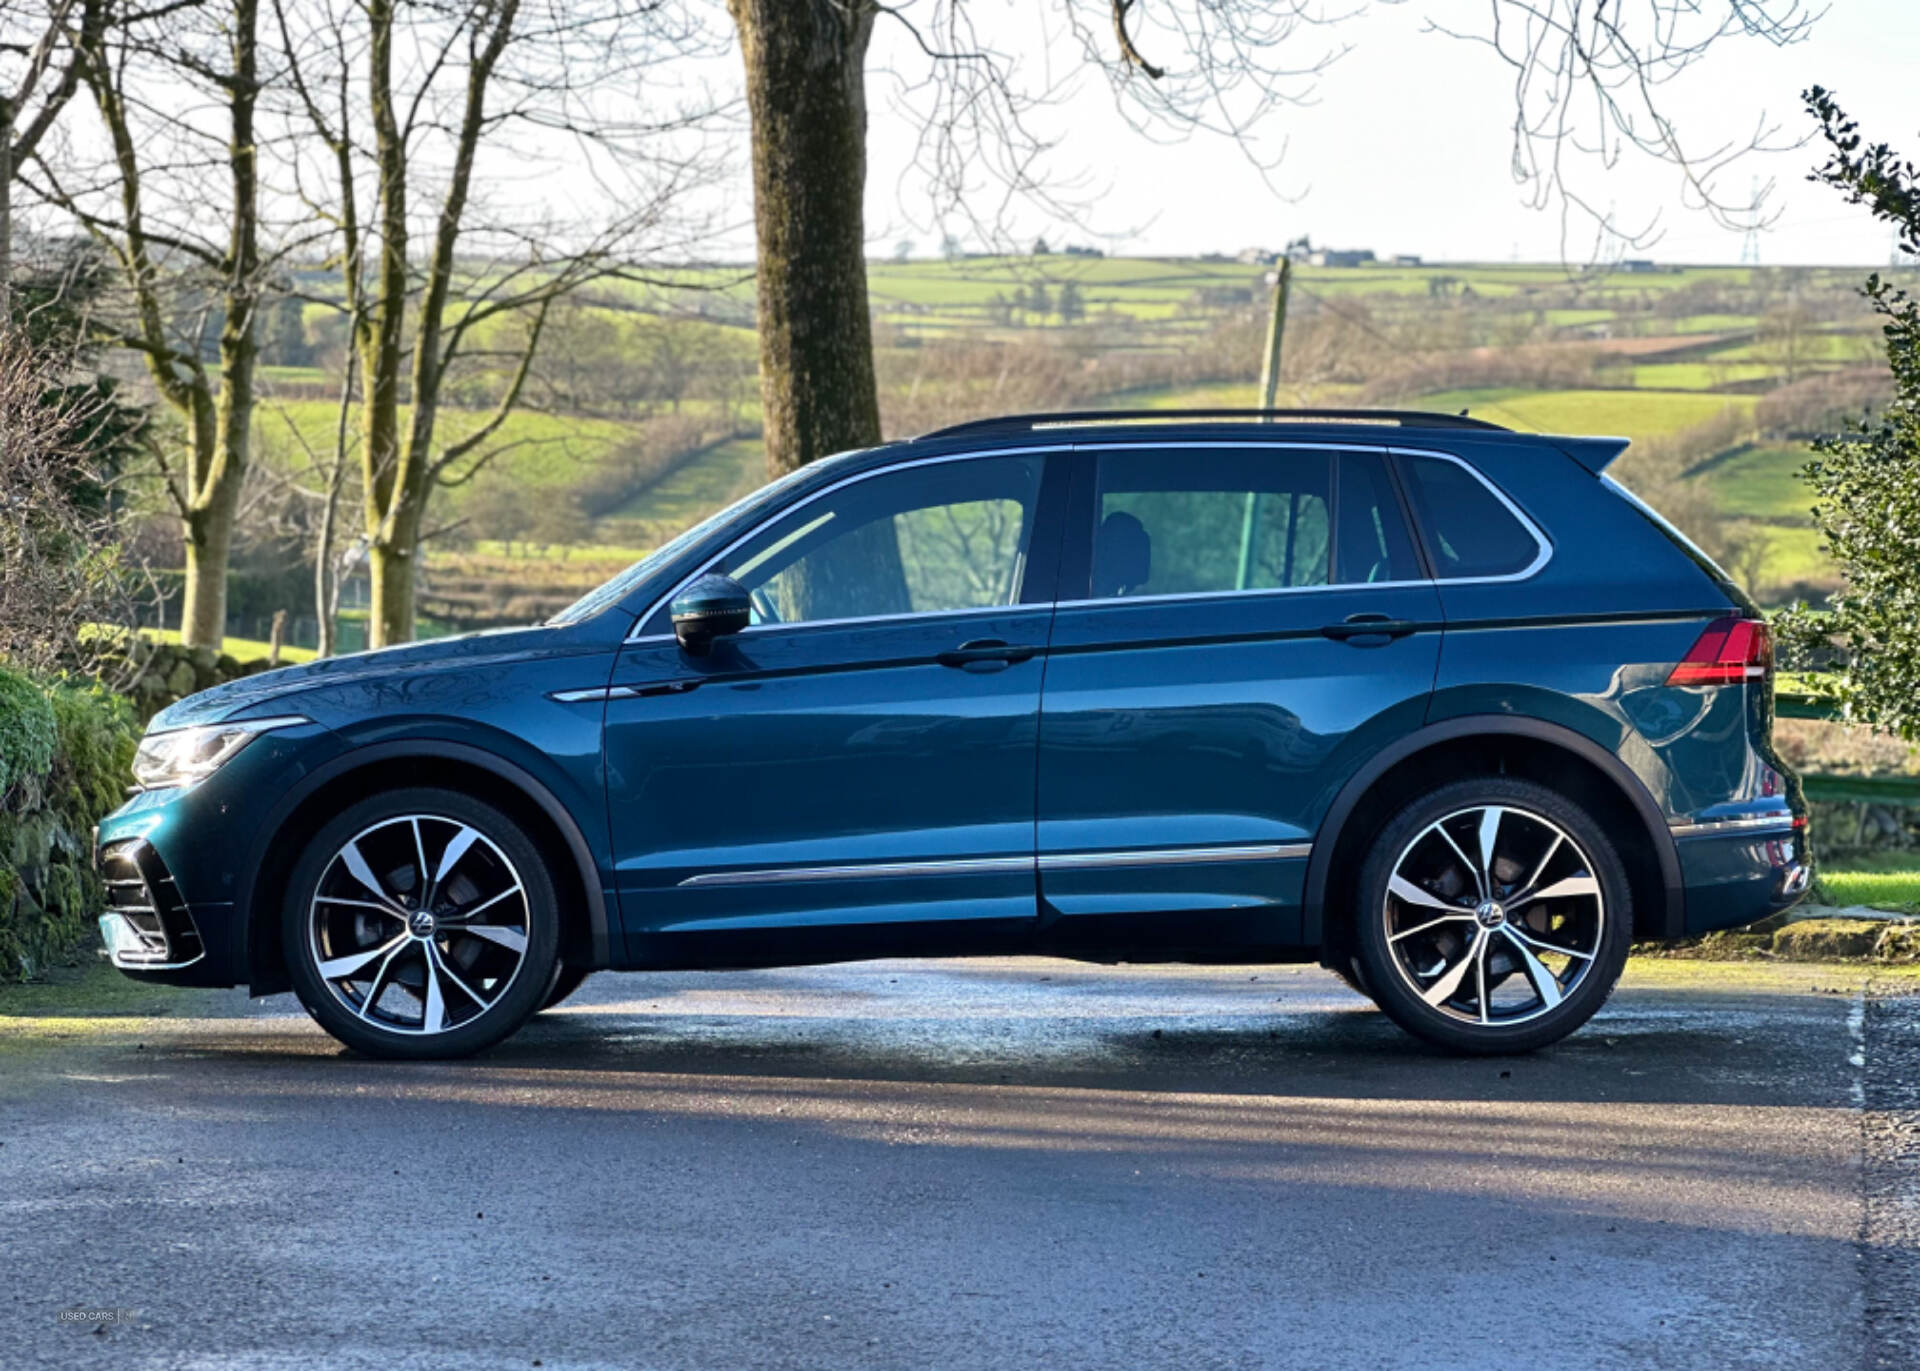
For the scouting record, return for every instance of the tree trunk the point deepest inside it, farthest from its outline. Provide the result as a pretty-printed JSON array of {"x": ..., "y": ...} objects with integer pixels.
[
  {"x": 806, "y": 92},
  {"x": 390, "y": 613},
  {"x": 390, "y": 563},
  {"x": 203, "y": 608},
  {"x": 216, "y": 491},
  {"x": 6, "y": 211}
]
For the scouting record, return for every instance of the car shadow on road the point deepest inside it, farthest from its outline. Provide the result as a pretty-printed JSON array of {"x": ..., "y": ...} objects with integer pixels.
[{"x": 1647, "y": 1047}]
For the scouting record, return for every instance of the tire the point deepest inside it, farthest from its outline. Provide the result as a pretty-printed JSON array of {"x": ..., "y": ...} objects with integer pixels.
[
  {"x": 566, "y": 980},
  {"x": 1352, "y": 976},
  {"x": 389, "y": 978},
  {"x": 1550, "y": 934}
]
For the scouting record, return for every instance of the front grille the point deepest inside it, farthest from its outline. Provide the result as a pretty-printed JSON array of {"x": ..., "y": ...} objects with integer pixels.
[{"x": 141, "y": 895}]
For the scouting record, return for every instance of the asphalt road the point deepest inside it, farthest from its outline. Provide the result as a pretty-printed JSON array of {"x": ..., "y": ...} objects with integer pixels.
[{"x": 967, "y": 1165}]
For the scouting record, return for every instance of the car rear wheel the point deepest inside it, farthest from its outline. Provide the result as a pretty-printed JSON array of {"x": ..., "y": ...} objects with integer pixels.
[
  {"x": 1495, "y": 916},
  {"x": 421, "y": 923}
]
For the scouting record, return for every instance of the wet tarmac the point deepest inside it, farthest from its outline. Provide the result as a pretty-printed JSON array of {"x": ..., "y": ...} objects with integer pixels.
[{"x": 955, "y": 1165}]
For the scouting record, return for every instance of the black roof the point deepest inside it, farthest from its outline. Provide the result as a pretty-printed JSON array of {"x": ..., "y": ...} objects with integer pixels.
[{"x": 1017, "y": 424}]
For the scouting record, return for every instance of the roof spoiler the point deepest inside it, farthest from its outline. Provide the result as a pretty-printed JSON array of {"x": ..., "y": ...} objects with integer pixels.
[{"x": 1595, "y": 454}]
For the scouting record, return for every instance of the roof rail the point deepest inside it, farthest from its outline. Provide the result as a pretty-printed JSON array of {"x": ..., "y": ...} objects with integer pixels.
[{"x": 1080, "y": 418}]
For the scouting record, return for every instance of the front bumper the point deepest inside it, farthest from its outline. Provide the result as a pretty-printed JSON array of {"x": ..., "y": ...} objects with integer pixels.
[{"x": 177, "y": 861}]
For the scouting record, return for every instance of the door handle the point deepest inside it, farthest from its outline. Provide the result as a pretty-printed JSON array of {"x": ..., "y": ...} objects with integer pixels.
[
  {"x": 1368, "y": 626},
  {"x": 987, "y": 651}
]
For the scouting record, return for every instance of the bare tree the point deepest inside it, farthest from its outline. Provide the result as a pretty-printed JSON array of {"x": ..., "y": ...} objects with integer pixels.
[
  {"x": 1587, "y": 76},
  {"x": 32, "y": 97},
  {"x": 402, "y": 96},
  {"x": 176, "y": 200}
]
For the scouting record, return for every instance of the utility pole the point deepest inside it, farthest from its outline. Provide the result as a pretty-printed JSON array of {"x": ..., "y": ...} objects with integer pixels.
[
  {"x": 1276, "y": 330},
  {"x": 1269, "y": 389}
]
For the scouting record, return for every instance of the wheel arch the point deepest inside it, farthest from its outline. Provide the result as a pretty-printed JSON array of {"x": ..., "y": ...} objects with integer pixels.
[
  {"x": 457, "y": 766},
  {"x": 1501, "y": 744}
]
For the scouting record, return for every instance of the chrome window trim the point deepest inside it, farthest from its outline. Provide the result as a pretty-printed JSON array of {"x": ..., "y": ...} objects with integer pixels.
[
  {"x": 972, "y": 866},
  {"x": 1757, "y": 824},
  {"x": 1542, "y": 543},
  {"x": 635, "y": 636}
]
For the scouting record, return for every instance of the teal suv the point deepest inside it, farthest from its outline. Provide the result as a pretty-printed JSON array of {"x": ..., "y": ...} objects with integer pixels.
[{"x": 1435, "y": 704}]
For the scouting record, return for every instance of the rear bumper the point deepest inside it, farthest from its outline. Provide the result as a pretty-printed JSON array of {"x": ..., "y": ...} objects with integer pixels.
[{"x": 1741, "y": 871}]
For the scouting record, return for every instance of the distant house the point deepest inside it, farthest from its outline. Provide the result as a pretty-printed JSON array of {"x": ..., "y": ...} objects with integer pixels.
[
  {"x": 1257, "y": 257},
  {"x": 1406, "y": 259},
  {"x": 1340, "y": 257},
  {"x": 1639, "y": 266}
]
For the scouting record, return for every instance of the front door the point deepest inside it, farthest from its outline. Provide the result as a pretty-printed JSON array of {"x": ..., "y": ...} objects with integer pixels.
[
  {"x": 854, "y": 773},
  {"x": 1238, "y": 626}
]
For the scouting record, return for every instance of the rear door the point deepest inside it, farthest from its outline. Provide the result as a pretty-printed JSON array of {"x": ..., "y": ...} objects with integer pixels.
[{"x": 1240, "y": 624}]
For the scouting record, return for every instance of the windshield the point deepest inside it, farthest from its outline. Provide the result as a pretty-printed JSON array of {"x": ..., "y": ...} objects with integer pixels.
[{"x": 615, "y": 590}]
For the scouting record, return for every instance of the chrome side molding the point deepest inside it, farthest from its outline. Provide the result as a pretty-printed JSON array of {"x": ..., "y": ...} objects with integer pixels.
[
  {"x": 1169, "y": 856},
  {"x": 978, "y": 866},
  {"x": 963, "y": 866}
]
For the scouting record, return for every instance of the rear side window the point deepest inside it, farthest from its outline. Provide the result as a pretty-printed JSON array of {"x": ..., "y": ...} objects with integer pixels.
[
  {"x": 1374, "y": 545},
  {"x": 1206, "y": 521},
  {"x": 1199, "y": 522},
  {"x": 1469, "y": 530}
]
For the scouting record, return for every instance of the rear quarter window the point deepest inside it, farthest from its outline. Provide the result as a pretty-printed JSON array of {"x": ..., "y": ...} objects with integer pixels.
[{"x": 1469, "y": 531}]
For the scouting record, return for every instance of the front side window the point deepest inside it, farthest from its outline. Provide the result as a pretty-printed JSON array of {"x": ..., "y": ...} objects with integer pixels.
[
  {"x": 1469, "y": 530},
  {"x": 925, "y": 539}
]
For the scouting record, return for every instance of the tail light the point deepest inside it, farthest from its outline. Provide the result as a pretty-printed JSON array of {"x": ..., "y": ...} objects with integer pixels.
[{"x": 1727, "y": 652}]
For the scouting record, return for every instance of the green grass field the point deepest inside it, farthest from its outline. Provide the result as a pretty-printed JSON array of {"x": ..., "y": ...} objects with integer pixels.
[
  {"x": 1880, "y": 889},
  {"x": 240, "y": 649},
  {"x": 1761, "y": 483},
  {"x": 689, "y": 494},
  {"x": 1695, "y": 375},
  {"x": 1627, "y": 413},
  {"x": 540, "y": 449}
]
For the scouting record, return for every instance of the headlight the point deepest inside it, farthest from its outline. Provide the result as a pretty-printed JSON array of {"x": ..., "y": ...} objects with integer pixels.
[{"x": 181, "y": 756}]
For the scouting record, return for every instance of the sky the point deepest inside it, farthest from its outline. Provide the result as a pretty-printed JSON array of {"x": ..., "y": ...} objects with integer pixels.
[{"x": 1406, "y": 148}]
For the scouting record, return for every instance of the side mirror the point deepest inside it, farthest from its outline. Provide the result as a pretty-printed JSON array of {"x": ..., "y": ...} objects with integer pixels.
[{"x": 712, "y": 607}]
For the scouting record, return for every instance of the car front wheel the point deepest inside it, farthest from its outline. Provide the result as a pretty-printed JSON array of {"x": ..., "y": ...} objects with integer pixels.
[
  {"x": 567, "y": 980},
  {"x": 421, "y": 923},
  {"x": 1495, "y": 916}
]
